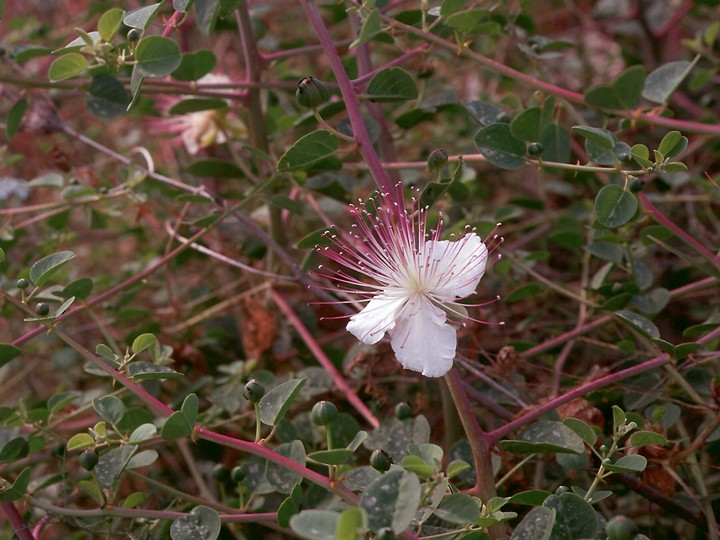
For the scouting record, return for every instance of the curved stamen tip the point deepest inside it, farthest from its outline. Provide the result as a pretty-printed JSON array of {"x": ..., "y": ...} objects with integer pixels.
[
  {"x": 498, "y": 224},
  {"x": 502, "y": 323}
]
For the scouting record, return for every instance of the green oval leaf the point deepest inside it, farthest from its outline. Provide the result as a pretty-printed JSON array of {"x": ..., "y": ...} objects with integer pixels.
[
  {"x": 67, "y": 66},
  {"x": 80, "y": 441},
  {"x": 8, "y": 353},
  {"x": 638, "y": 323},
  {"x": 331, "y": 457},
  {"x": 574, "y": 518},
  {"x": 18, "y": 488},
  {"x": 14, "y": 449},
  {"x": 644, "y": 438},
  {"x": 629, "y": 86},
  {"x": 112, "y": 464},
  {"x": 392, "y": 500},
  {"x": 663, "y": 81},
  {"x": 195, "y": 65},
  {"x": 614, "y": 206},
  {"x": 14, "y": 119},
  {"x": 202, "y": 523},
  {"x": 42, "y": 270},
  {"x": 459, "y": 509},
  {"x": 140, "y": 18},
  {"x": 546, "y": 437},
  {"x": 277, "y": 401},
  {"x": 157, "y": 56},
  {"x": 536, "y": 525},
  {"x": 500, "y": 147},
  {"x": 586, "y": 432},
  {"x": 315, "y": 524},
  {"x": 80, "y": 288},
  {"x": 109, "y": 23},
  {"x": 392, "y": 84},
  {"x": 309, "y": 150},
  {"x": 108, "y": 97},
  {"x": 602, "y": 137},
  {"x": 109, "y": 408},
  {"x": 631, "y": 463}
]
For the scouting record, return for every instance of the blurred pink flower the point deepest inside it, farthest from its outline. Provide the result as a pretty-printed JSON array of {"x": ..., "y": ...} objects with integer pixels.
[
  {"x": 200, "y": 129},
  {"x": 416, "y": 281}
]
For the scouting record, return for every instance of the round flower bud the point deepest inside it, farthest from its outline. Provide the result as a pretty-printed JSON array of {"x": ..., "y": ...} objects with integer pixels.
[
  {"x": 311, "y": 92},
  {"x": 22, "y": 283},
  {"x": 42, "y": 309},
  {"x": 380, "y": 461},
  {"x": 437, "y": 159},
  {"x": 220, "y": 473},
  {"x": 254, "y": 391},
  {"x": 403, "y": 411},
  {"x": 562, "y": 489},
  {"x": 237, "y": 474},
  {"x": 620, "y": 528},
  {"x": 133, "y": 34},
  {"x": 503, "y": 118},
  {"x": 624, "y": 157},
  {"x": 535, "y": 149},
  {"x": 88, "y": 459},
  {"x": 324, "y": 413}
]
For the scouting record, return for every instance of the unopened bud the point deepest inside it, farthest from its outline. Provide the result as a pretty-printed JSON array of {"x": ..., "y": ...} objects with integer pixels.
[
  {"x": 437, "y": 159},
  {"x": 324, "y": 413},
  {"x": 535, "y": 149},
  {"x": 380, "y": 461},
  {"x": 254, "y": 391},
  {"x": 311, "y": 92},
  {"x": 403, "y": 411}
]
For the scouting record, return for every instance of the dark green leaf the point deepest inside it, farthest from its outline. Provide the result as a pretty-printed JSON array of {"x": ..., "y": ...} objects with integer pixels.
[
  {"x": 147, "y": 371},
  {"x": 112, "y": 464},
  {"x": 109, "y": 408},
  {"x": 583, "y": 429},
  {"x": 526, "y": 125},
  {"x": 644, "y": 438},
  {"x": 315, "y": 524},
  {"x": 533, "y": 497},
  {"x": 331, "y": 457},
  {"x": 140, "y": 18},
  {"x": 206, "y": 12},
  {"x": 277, "y": 401},
  {"x": 202, "y": 523},
  {"x": 15, "y": 116},
  {"x": 157, "y": 56},
  {"x": 556, "y": 143},
  {"x": 215, "y": 168},
  {"x": 281, "y": 478},
  {"x": 639, "y": 323},
  {"x": 8, "y": 353},
  {"x": 18, "y": 488},
  {"x": 575, "y": 518},
  {"x": 500, "y": 147},
  {"x": 309, "y": 150},
  {"x": 614, "y": 206},
  {"x": 529, "y": 290},
  {"x": 601, "y": 137},
  {"x": 392, "y": 84},
  {"x": 80, "y": 288},
  {"x": 14, "y": 450},
  {"x": 195, "y": 65},
  {"x": 392, "y": 500},
  {"x": 629, "y": 86},
  {"x": 43, "y": 270},
  {"x": 536, "y": 525},
  {"x": 370, "y": 28},
  {"x": 546, "y": 437},
  {"x": 603, "y": 96},
  {"x": 108, "y": 97},
  {"x": 663, "y": 81},
  {"x": 459, "y": 509},
  {"x": 631, "y": 463}
]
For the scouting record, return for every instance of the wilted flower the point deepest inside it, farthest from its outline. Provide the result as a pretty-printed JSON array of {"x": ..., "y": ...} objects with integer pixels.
[
  {"x": 198, "y": 129},
  {"x": 416, "y": 280}
]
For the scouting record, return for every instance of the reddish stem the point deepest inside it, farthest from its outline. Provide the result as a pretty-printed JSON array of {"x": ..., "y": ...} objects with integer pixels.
[
  {"x": 324, "y": 361},
  {"x": 352, "y": 106},
  {"x": 19, "y": 527}
]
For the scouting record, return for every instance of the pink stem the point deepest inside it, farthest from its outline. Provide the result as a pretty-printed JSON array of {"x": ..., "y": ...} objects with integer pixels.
[
  {"x": 352, "y": 106},
  {"x": 324, "y": 361},
  {"x": 170, "y": 24},
  {"x": 21, "y": 529},
  {"x": 651, "y": 209},
  {"x": 658, "y": 361}
]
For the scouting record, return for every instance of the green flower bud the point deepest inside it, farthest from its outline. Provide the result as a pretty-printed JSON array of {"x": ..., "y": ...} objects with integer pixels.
[
  {"x": 535, "y": 149},
  {"x": 324, "y": 413},
  {"x": 254, "y": 391},
  {"x": 22, "y": 283},
  {"x": 620, "y": 528},
  {"x": 133, "y": 34},
  {"x": 220, "y": 473},
  {"x": 237, "y": 474},
  {"x": 311, "y": 92},
  {"x": 42, "y": 309},
  {"x": 380, "y": 461},
  {"x": 437, "y": 159},
  {"x": 624, "y": 157},
  {"x": 403, "y": 411},
  {"x": 503, "y": 118},
  {"x": 562, "y": 489},
  {"x": 88, "y": 459}
]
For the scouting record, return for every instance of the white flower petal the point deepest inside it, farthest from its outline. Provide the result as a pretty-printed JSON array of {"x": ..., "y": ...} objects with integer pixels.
[
  {"x": 457, "y": 266},
  {"x": 422, "y": 340},
  {"x": 378, "y": 317}
]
